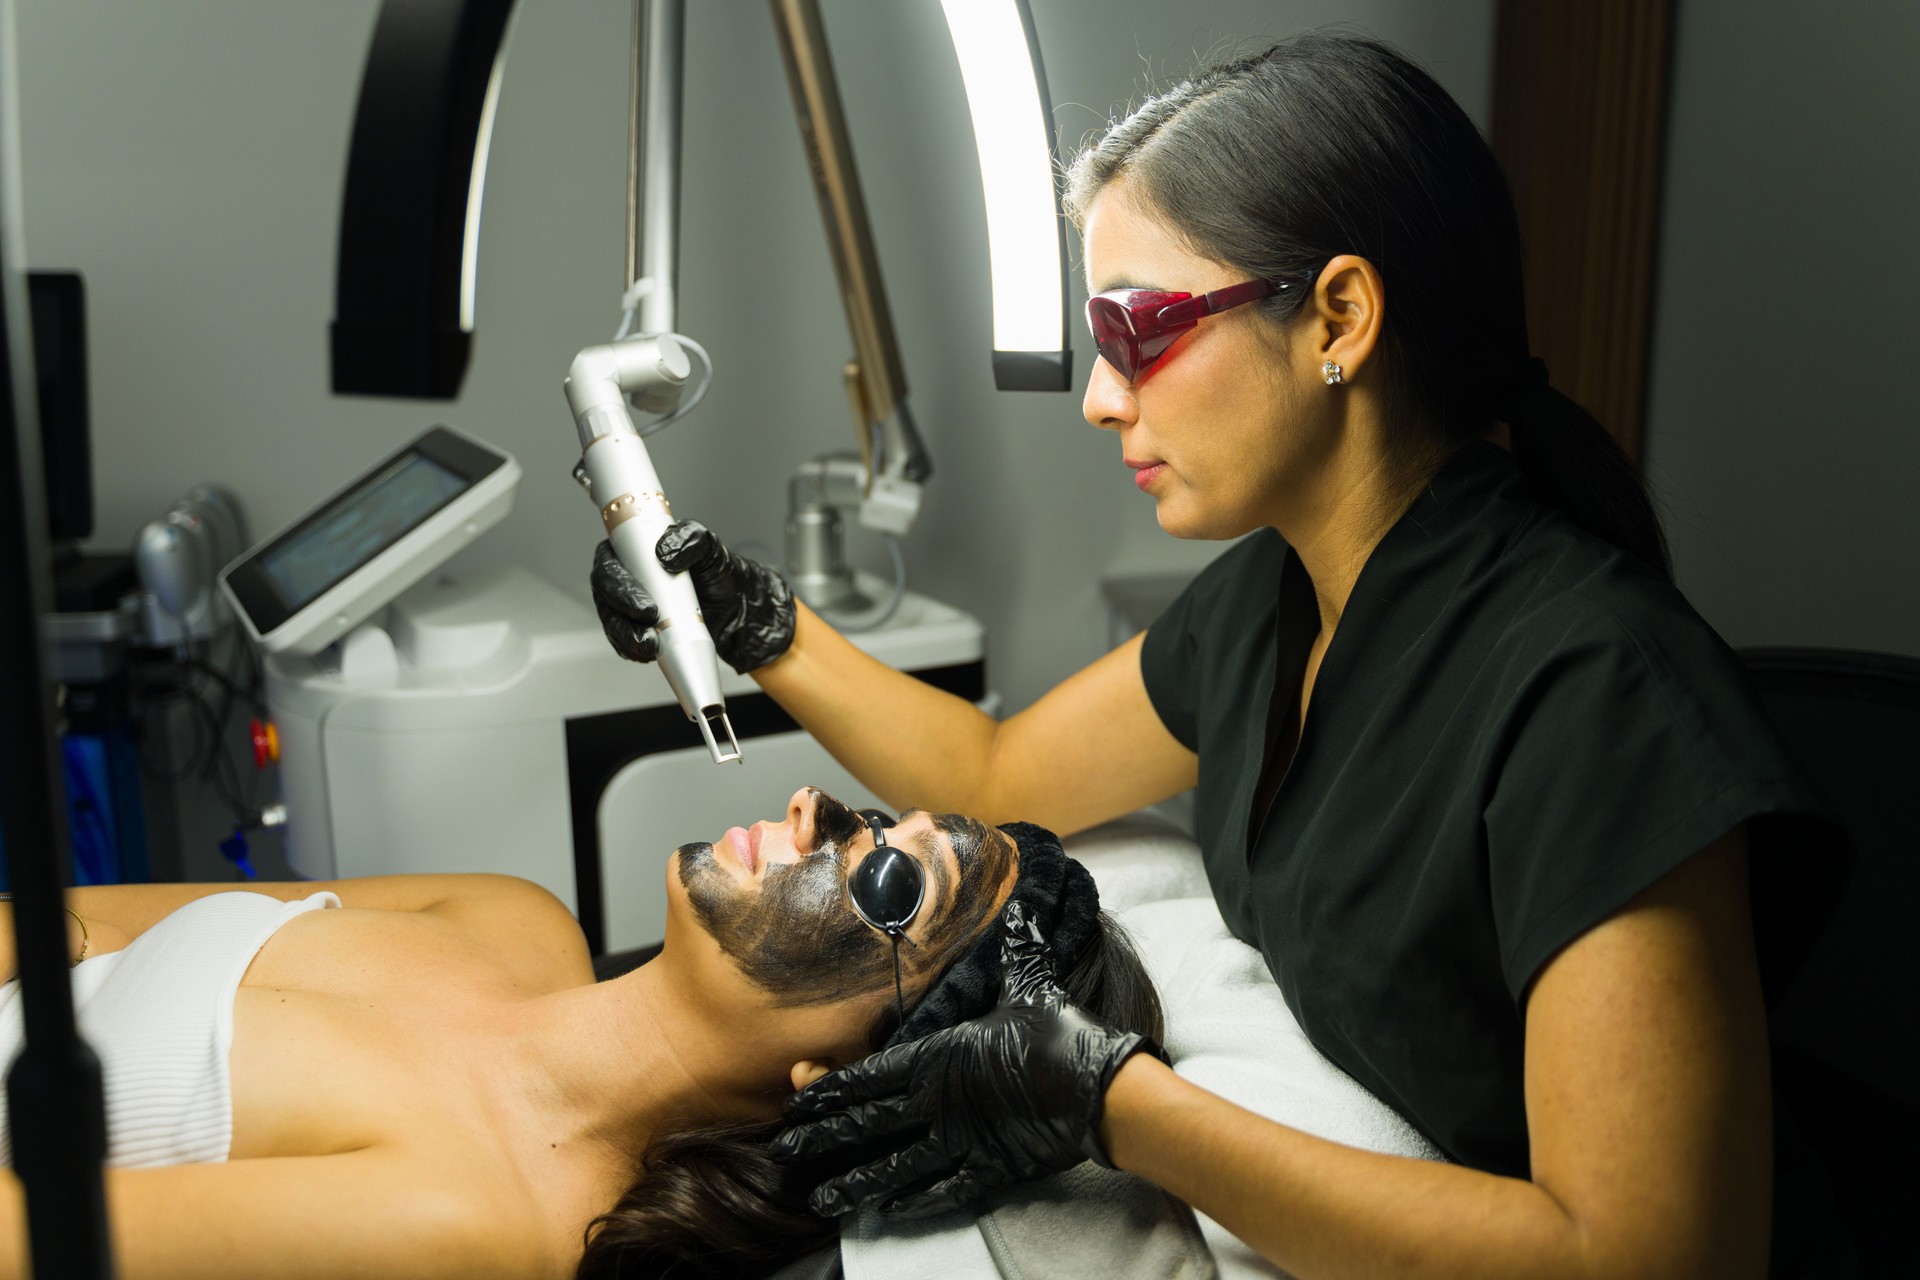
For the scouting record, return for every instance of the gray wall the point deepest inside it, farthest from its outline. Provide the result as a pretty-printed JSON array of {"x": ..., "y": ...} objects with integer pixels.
[
  {"x": 187, "y": 155},
  {"x": 1781, "y": 435}
]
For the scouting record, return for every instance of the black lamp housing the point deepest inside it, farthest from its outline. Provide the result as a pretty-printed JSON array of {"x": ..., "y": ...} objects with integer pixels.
[
  {"x": 402, "y": 309},
  {"x": 1034, "y": 370}
]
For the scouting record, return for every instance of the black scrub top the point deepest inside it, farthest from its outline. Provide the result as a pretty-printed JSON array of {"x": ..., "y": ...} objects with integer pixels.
[{"x": 1516, "y": 728}]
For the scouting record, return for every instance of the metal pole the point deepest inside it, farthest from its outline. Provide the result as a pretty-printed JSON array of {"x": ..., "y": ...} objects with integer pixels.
[
  {"x": 653, "y": 159},
  {"x": 54, "y": 1088},
  {"x": 890, "y": 444},
  {"x": 836, "y": 182}
]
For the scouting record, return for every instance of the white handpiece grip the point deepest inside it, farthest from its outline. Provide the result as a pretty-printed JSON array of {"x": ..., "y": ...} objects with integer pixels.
[{"x": 636, "y": 513}]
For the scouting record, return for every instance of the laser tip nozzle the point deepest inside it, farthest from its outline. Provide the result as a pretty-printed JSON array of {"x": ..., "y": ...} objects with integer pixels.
[{"x": 718, "y": 731}]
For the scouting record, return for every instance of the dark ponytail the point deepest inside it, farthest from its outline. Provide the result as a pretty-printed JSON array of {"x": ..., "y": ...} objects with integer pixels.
[
  {"x": 712, "y": 1202},
  {"x": 1277, "y": 162},
  {"x": 1575, "y": 464}
]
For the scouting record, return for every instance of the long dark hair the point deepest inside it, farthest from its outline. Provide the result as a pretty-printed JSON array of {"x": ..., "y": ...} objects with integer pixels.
[
  {"x": 711, "y": 1201},
  {"x": 1327, "y": 144}
]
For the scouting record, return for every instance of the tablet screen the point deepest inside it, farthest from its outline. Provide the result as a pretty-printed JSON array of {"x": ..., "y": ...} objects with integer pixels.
[{"x": 354, "y": 531}]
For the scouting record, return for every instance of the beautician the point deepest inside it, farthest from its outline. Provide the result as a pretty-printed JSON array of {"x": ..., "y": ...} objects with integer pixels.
[{"x": 1471, "y": 774}]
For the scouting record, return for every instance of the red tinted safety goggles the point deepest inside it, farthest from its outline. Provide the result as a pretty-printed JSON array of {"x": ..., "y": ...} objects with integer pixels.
[{"x": 1133, "y": 328}]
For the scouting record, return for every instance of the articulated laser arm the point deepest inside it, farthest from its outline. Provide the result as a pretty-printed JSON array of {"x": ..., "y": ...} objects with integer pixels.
[{"x": 884, "y": 483}]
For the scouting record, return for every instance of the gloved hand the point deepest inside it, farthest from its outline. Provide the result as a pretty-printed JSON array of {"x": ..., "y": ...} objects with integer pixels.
[
  {"x": 748, "y": 607},
  {"x": 1010, "y": 1096}
]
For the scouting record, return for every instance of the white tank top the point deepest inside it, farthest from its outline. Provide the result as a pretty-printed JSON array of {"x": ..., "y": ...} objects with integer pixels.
[{"x": 160, "y": 1016}]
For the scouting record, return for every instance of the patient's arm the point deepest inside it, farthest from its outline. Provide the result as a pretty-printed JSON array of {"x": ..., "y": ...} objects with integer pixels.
[
  {"x": 1091, "y": 749},
  {"x": 371, "y": 1213},
  {"x": 1647, "y": 1108},
  {"x": 515, "y": 918}
]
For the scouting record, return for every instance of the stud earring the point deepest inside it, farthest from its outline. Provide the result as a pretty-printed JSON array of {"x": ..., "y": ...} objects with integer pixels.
[{"x": 1332, "y": 373}]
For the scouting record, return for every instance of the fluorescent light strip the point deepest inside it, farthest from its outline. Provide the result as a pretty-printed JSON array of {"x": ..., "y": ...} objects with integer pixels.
[
  {"x": 476, "y": 189},
  {"x": 1011, "y": 134}
]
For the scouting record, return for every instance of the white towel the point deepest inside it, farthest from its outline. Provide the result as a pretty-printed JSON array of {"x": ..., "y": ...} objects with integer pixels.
[
  {"x": 946, "y": 1247},
  {"x": 1140, "y": 858},
  {"x": 1230, "y": 1032}
]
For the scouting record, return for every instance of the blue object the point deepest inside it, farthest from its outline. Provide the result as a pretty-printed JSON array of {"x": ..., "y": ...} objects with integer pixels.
[
  {"x": 104, "y": 816},
  {"x": 90, "y": 815},
  {"x": 234, "y": 850}
]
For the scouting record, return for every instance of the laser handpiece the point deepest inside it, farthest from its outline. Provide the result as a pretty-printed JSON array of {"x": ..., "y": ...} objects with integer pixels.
[{"x": 633, "y": 507}]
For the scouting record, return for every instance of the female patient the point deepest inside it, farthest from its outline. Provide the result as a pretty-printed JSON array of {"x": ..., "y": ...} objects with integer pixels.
[{"x": 427, "y": 1080}]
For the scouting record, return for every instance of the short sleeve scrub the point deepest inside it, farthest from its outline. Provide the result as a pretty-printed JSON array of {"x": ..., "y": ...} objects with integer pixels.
[{"x": 1516, "y": 728}]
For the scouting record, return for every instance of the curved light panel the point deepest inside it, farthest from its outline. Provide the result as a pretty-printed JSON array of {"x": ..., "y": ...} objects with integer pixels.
[
  {"x": 410, "y": 210},
  {"x": 1006, "y": 93}
]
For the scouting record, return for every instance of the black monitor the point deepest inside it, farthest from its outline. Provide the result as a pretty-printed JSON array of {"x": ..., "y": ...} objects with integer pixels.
[{"x": 59, "y": 305}]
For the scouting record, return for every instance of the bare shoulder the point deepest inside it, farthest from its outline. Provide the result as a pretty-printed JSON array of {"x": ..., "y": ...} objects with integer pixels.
[
  {"x": 130, "y": 910},
  {"x": 517, "y": 924},
  {"x": 513, "y": 921},
  {"x": 375, "y": 1213},
  {"x": 477, "y": 895},
  {"x": 521, "y": 923}
]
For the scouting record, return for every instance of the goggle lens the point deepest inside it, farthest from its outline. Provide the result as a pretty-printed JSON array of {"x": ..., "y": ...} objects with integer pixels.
[
  {"x": 886, "y": 890},
  {"x": 888, "y": 886},
  {"x": 1112, "y": 323},
  {"x": 1133, "y": 328}
]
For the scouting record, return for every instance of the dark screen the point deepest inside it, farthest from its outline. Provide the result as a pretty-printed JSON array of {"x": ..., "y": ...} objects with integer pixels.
[
  {"x": 60, "y": 378},
  {"x": 353, "y": 531}
]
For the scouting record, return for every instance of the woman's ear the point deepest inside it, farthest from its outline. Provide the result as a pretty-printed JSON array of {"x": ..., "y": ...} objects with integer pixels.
[
  {"x": 1348, "y": 307},
  {"x": 807, "y": 1070}
]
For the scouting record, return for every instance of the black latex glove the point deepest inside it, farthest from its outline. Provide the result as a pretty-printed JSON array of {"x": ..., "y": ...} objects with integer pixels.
[
  {"x": 1008, "y": 1097},
  {"x": 748, "y": 607}
]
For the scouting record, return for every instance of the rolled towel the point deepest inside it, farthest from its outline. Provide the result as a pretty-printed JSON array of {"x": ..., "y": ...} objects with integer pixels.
[
  {"x": 1230, "y": 1031},
  {"x": 1140, "y": 858}
]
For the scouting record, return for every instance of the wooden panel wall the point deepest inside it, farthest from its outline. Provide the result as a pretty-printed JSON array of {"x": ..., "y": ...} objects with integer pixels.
[{"x": 1579, "y": 120}]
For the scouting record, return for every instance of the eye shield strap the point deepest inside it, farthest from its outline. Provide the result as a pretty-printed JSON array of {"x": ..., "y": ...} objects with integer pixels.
[{"x": 1060, "y": 897}]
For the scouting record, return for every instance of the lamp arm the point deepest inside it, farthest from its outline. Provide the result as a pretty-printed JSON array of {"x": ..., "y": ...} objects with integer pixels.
[{"x": 877, "y": 385}]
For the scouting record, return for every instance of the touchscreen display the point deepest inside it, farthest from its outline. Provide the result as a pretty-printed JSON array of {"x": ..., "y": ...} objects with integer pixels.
[{"x": 359, "y": 527}]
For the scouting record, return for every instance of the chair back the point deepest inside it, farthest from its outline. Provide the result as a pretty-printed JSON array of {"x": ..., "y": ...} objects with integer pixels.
[{"x": 1846, "y": 1049}]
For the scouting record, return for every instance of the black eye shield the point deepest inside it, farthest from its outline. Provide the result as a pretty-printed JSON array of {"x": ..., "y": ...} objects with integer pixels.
[{"x": 888, "y": 888}]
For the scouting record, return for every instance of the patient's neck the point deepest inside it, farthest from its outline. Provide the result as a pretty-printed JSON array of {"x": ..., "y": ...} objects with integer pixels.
[{"x": 614, "y": 1064}]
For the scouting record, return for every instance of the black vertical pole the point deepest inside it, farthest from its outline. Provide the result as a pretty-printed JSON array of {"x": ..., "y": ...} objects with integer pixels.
[{"x": 54, "y": 1088}]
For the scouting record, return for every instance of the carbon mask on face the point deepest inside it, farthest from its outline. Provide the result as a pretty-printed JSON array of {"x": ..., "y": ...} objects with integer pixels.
[{"x": 797, "y": 938}]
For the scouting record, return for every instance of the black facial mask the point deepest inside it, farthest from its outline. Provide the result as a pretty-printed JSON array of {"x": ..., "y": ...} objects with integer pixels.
[{"x": 796, "y": 938}]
